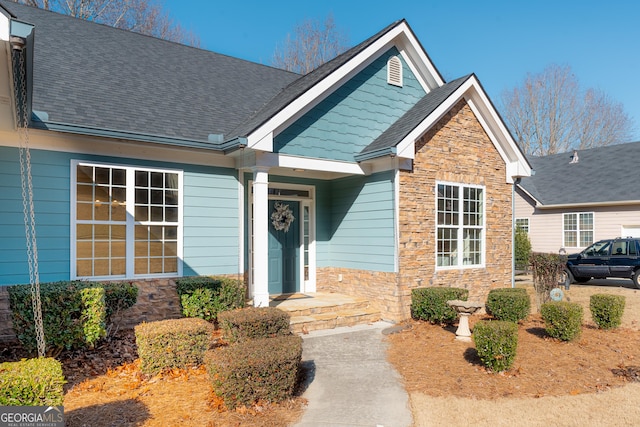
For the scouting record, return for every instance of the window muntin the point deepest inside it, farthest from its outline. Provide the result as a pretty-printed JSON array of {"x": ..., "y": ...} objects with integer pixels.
[
  {"x": 523, "y": 224},
  {"x": 460, "y": 225},
  {"x": 577, "y": 229},
  {"x": 127, "y": 221}
]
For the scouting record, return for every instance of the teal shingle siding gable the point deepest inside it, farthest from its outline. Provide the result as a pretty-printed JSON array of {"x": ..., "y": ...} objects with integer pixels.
[
  {"x": 211, "y": 229},
  {"x": 353, "y": 116}
]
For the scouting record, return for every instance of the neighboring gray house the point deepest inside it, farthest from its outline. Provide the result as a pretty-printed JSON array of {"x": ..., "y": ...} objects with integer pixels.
[{"x": 575, "y": 199}]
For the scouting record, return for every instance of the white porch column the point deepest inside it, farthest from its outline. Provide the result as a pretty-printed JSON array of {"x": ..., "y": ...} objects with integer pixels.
[{"x": 260, "y": 237}]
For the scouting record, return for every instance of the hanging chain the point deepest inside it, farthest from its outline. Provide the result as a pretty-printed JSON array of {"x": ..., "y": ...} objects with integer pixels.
[{"x": 27, "y": 202}]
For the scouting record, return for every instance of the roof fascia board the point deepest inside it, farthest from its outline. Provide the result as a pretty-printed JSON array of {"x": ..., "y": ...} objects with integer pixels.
[
  {"x": 537, "y": 202},
  {"x": 271, "y": 160},
  {"x": 472, "y": 92},
  {"x": 588, "y": 205},
  {"x": 116, "y": 134},
  {"x": 399, "y": 35}
]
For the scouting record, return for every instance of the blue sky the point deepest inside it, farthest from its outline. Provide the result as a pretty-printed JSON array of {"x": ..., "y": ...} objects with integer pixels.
[{"x": 499, "y": 41}]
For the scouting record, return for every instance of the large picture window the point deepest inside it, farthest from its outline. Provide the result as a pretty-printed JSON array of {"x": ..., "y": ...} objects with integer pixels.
[
  {"x": 577, "y": 229},
  {"x": 127, "y": 221},
  {"x": 460, "y": 225}
]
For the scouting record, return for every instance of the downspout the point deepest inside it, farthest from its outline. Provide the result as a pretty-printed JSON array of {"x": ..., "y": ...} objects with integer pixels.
[{"x": 513, "y": 232}]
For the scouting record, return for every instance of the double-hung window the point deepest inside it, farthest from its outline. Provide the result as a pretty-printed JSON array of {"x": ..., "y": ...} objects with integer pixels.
[
  {"x": 460, "y": 225},
  {"x": 126, "y": 221},
  {"x": 577, "y": 229}
]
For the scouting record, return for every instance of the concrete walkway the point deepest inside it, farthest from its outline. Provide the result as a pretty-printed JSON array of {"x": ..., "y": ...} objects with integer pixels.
[{"x": 350, "y": 381}]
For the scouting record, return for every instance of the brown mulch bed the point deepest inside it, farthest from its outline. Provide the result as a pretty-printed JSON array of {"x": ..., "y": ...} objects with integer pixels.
[
  {"x": 106, "y": 388},
  {"x": 432, "y": 362}
]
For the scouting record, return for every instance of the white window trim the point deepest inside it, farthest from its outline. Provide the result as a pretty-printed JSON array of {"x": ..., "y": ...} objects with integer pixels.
[
  {"x": 578, "y": 230},
  {"x": 483, "y": 254},
  {"x": 130, "y": 222}
]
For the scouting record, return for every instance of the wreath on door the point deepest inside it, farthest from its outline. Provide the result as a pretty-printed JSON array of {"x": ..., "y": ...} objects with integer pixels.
[{"x": 282, "y": 217}]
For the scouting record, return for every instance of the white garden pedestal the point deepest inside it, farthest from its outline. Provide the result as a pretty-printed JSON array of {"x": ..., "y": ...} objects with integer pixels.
[{"x": 464, "y": 310}]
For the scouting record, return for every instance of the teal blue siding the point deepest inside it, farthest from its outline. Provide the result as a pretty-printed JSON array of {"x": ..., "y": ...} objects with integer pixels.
[
  {"x": 353, "y": 116},
  {"x": 211, "y": 229},
  {"x": 362, "y": 223}
]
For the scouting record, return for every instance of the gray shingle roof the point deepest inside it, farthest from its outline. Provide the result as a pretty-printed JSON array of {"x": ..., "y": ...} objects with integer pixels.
[
  {"x": 100, "y": 77},
  {"x": 604, "y": 174}
]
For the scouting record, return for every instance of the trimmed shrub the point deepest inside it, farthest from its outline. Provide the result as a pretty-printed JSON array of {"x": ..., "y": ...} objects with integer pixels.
[
  {"x": 31, "y": 382},
  {"x": 430, "y": 304},
  {"x": 496, "y": 342},
  {"x": 250, "y": 371},
  {"x": 73, "y": 315},
  {"x": 563, "y": 319},
  {"x": 510, "y": 304},
  {"x": 547, "y": 272},
  {"x": 254, "y": 322},
  {"x": 607, "y": 310},
  {"x": 205, "y": 297},
  {"x": 118, "y": 297},
  {"x": 522, "y": 249},
  {"x": 175, "y": 343}
]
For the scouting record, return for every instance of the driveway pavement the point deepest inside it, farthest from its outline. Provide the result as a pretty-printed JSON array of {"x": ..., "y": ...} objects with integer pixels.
[{"x": 350, "y": 382}]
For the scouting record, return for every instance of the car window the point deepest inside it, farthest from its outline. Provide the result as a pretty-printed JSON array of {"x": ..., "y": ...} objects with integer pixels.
[
  {"x": 598, "y": 248},
  {"x": 633, "y": 250},
  {"x": 619, "y": 247}
]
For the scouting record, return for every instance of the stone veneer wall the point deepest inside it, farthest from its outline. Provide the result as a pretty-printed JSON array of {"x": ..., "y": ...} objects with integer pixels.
[
  {"x": 455, "y": 150},
  {"x": 380, "y": 288}
]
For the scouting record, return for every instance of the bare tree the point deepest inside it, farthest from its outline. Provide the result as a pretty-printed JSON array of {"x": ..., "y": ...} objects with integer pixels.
[
  {"x": 313, "y": 43},
  {"x": 549, "y": 113},
  {"x": 141, "y": 16}
]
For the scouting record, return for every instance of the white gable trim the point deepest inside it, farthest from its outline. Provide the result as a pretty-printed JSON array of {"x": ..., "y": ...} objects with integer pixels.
[
  {"x": 399, "y": 36},
  {"x": 474, "y": 95}
]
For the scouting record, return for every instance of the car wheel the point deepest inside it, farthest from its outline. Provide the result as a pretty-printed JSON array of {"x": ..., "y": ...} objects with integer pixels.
[
  {"x": 636, "y": 278},
  {"x": 582, "y": 279}
]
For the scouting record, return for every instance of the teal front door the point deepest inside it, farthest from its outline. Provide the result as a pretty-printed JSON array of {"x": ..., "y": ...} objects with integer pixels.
[{"x": 284, "y": 247}]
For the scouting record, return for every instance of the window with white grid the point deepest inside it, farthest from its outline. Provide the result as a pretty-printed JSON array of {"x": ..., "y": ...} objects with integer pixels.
[{"x": 577, "y": 229}]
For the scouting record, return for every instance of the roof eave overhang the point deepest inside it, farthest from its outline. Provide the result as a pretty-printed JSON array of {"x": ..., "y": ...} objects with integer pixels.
[
  {"x": 383, "y": 152},
  {"x": 588, "y": 205},
  {"x": 472, "y": 92}
]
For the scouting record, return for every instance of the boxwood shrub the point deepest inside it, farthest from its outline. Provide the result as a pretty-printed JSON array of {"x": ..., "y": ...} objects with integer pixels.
[
  {"x": 607, "y": 310},
  {"x": 496, "y": 343},
  {"x": 74, "y": 313},
  {"x": 253, "y": 370},
  {"x": 563, "y": 319},
  {"x": 205, "y": 297},
  {"x": 254, "y": 322},
  {"x": 174, "y": 343},
  {"x": 430, "y": 304},
  {"x": 31, "y": 382},
  {"x": 510, "y": 304}
]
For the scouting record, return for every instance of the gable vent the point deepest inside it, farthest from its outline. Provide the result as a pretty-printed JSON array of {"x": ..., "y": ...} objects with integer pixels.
[{"x": 394, "y": 71}]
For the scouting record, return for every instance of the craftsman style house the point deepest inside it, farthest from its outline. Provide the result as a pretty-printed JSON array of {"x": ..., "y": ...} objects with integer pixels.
[
  {"x": 575, "y": 199},
  {"x": 151, "y": 160}
]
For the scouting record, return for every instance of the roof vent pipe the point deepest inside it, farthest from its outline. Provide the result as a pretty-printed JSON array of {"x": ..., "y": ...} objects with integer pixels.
[{"x": 574, "y": 158}]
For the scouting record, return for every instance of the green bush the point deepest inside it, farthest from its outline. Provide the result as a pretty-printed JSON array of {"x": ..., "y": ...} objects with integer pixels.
[
  {"x": 68, "y": 318},
  {"x": 563, "y": 319},
  {"x": 31, "y": 382},
  {"x": 522, "y": 249},
  {"x": 205, "y": 297},
  {"x": 74, "y": 314},
  {"x": 174, "y": 343},
  {"x": 511, "y": 304},
  {"x": 249, "y": 371},
  {"x": 496, "y": 343},
  {"x": 254, "y": 322},
  {"x": 607, "y": 310},
  {"x": 430, "y": 304}
]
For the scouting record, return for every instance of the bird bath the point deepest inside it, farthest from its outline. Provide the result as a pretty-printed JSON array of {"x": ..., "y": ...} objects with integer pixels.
[{"x": 464, "y": 310}]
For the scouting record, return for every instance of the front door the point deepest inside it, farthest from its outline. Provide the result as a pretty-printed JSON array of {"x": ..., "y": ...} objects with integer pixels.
[{"x": 284, "y": 246}]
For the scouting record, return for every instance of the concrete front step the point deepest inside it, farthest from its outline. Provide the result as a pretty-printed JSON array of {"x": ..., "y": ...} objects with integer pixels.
[
  {"x": 308, "y": 305},
  {"x": 333, "y": 319}
]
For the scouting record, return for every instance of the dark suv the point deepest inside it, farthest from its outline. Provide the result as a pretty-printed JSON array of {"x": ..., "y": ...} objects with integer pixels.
[{"x": 607, "y": 258}]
